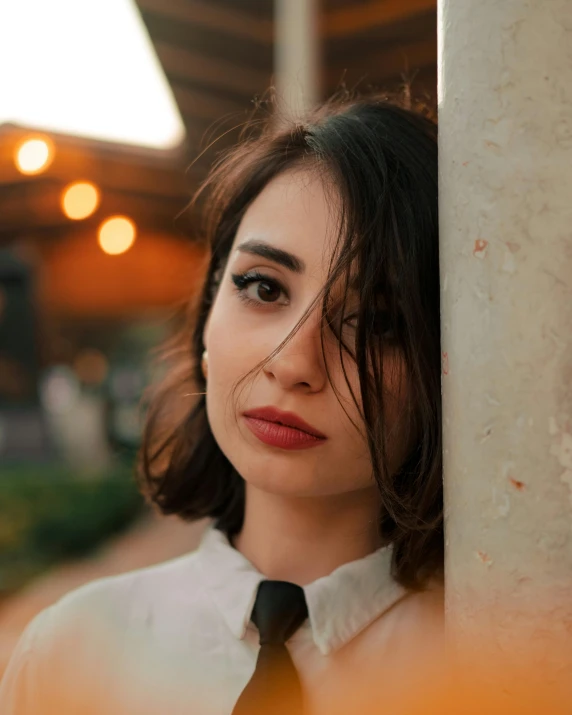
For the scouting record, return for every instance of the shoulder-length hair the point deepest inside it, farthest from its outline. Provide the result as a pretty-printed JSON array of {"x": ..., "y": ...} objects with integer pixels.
[{"x": 381, "y": 158}]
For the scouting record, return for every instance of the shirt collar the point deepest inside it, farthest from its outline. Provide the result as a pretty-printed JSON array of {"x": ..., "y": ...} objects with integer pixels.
[
  {"x": 340, "y": 605},
  {"x": 232, "y": 581}
]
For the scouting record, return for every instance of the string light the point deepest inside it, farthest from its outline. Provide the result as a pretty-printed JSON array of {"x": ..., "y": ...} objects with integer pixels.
[
  {"x": 116, "y": 235},
  {"x": 34, "y": 155},
  {"x": 80, "y": 200}
]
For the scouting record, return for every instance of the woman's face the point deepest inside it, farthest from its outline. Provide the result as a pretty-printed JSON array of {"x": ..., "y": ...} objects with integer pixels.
[{"x": 278, "y": 264}]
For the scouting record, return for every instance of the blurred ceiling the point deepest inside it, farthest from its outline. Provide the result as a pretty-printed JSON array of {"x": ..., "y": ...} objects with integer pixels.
[{"x": 217, "y": 55}]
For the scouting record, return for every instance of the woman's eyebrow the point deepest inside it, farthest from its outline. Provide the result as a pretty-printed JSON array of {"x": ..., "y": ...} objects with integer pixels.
[{"x": 277, "y": 255}]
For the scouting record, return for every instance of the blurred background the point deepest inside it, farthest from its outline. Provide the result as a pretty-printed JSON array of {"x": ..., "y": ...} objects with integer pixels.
[{"x": 111, "y": 113}]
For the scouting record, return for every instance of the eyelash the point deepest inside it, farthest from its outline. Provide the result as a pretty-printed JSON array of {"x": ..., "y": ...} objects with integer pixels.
[
  {"x": 387, "y": 332},
  {"x": 243, "y": 280}
]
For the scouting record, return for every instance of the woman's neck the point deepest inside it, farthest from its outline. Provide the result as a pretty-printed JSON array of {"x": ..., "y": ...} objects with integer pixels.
[{"x": 302, "y": 539}]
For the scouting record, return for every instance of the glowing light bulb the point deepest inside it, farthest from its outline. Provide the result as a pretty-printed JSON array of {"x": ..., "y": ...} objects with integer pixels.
[
  {"x": 80, "y": 200},
  {"x": 116, "y": 235},
  {"x": 34, "y": 155}
]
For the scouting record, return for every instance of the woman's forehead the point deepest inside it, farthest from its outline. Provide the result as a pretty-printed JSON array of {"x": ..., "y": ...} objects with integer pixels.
[{"x": 295, "y": 212}]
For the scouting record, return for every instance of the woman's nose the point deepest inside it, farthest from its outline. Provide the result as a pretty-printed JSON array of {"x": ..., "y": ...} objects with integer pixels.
[{"x": 300, "y": 362}]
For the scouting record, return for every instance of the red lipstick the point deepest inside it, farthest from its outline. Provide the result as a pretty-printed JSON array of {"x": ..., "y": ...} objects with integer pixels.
[{"x": 282, "y": 429}]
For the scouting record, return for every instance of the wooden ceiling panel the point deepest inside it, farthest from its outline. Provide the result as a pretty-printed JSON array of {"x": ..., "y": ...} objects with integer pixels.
[
  {"x": 352, "y": 49},
  {"x": 229, "y": 18},
  {"x": 355, "y": 18},
  {"x": 329, "y": 5},
  {"x": 221, "y": 44},
  {"x": 384, "y": 56},
  {"x": 218, "y": 55},
  {"x": 182, "y": 65},
  {"x": 384, "y": 63},
  {"x": 255, "y": 8},
  {"x": 207, "y": 104}
]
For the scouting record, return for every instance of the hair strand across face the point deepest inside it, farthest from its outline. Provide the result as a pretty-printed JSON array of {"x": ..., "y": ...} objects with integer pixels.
[{"x": 380, "y": 159}]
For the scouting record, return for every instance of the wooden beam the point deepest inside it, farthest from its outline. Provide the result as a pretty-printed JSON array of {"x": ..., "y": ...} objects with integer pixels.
[
  {"x": 205, "y": 106},
  {"x": 28, "y": 211},
  {"x": 195, "y": 66},
  {"x": 109, "y": 167},
  {"x": 392, "y": 62},
  {"x": 208, "y": 15},
  {"x": 357, "y": 18}
]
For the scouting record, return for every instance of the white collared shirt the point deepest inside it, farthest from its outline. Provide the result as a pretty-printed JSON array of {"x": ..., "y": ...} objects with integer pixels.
[{"x": 176, "y": 638}]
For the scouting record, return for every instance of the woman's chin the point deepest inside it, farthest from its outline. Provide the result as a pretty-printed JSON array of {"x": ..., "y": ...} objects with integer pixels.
[
  {"x": 286, "y": 482},
  {"x": 286, "y": 485}
]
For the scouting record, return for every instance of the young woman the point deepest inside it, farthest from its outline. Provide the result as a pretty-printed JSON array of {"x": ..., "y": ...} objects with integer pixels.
[{"x": 308, "y": 428}]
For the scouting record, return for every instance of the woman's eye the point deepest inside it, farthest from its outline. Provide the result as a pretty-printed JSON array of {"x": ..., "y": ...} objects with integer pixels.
[
  {"x": 266, "y": 291},
  {"x": 382, "y": 324},
  {"x": 257, "y": 288},
  {"x": 343, "y": 325}
]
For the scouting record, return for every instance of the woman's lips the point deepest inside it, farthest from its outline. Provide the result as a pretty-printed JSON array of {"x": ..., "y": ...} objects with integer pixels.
[
  {"x": 277, "y": 435},
  {"x": 282, "y": 429}
]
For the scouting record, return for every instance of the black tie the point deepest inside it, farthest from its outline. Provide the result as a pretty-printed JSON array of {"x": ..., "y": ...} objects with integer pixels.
[{"x": 275, "y": 689}]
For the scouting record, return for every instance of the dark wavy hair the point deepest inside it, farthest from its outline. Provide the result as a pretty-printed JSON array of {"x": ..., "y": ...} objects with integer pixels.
[{"x": 381, "y": 158}]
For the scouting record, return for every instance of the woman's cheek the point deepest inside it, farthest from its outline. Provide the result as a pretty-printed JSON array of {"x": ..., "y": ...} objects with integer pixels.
[{"x": 231, "y": 347}]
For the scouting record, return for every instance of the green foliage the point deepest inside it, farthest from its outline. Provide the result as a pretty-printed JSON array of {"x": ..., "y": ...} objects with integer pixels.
[{"x": 50, "y": 515}]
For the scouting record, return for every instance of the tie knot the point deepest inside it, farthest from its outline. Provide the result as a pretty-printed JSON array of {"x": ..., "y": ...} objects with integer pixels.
[{"x": 279, "y": 610}]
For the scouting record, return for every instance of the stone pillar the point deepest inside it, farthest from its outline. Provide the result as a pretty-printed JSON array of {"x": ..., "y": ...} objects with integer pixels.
[
  {"x": 296, "y": 55},
  {"x": 505, "y": 114}
]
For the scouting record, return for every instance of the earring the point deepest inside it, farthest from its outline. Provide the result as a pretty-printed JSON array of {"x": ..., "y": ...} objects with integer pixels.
[{"x": 205, "y": 364}]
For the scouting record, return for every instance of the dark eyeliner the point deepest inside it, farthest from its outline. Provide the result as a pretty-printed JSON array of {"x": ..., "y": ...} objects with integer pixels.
[{"x": 243, "y": 280}]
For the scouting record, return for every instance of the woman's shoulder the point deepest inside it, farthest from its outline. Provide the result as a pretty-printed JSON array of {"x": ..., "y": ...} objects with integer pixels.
[
  {"x": 92, "y": 627},
  {"x": 116, "y": 602},
  {"x": 156, "y": 584}
]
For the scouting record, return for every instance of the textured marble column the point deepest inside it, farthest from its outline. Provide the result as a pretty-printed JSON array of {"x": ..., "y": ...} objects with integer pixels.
[
  {"x": 296, "y": 55},
  {"x": 505, "y": 113}
]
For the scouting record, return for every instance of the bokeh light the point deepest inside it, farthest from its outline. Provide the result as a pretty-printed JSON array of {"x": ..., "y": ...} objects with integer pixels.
[
  {"x": 91, "y": 366},
  {"x": 116, "y": 235},
  {"x": 34, "y": 155},
  {"x": 80, "y": 200}
]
